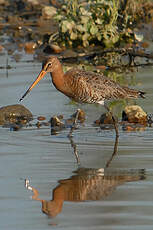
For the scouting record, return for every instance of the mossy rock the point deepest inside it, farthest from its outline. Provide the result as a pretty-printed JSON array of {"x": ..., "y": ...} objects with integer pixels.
[{"x": 14, "y": 114}]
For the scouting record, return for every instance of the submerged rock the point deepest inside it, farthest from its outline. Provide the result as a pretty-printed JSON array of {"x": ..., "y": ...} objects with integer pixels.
[
  {"x": 134, "y": 114},
  {"x": 13, "y": 114}
]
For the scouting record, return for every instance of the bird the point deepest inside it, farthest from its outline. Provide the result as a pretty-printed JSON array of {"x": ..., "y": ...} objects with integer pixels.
[{"x": 83, "y": 86}]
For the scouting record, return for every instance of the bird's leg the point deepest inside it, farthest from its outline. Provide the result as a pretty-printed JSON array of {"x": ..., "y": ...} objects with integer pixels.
[
  {"x": 113, "y": 119},
  {"x": 114, "y": 152},
  {"x": 74, "y": 123},
  {"x": 74, "y": 149}
]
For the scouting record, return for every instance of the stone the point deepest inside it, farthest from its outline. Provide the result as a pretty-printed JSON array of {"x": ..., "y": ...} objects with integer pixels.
[
  {"x": 134, "y": 114},
  {"x": 12, "y": 114},
  {"x": 48, "y": 12}
]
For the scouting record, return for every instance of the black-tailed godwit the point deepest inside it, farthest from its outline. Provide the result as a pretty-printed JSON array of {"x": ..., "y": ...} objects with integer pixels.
[{"x": 83, "y": 86}]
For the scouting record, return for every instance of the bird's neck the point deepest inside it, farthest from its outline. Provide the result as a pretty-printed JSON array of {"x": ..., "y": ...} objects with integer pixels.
[{"x": 58, "y": 77}]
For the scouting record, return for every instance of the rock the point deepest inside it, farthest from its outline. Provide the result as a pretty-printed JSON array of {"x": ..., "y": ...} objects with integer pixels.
[
  {"x": 41, "y": 118},
  {"x": 1, "y": 48},
  {"x": 12, "y": 114},
  {"x": 49, "y": 49},
  {"x": 56, "y": 49},
  {"x": 38, "y": 124},
  {"x": 56, "y": 125},
  {"x": 101, "y": 67},
  {"x": 48, "y": 12},
  {"x": 56, "y": 3},
  {"x": 30, "y": 47},
  {"x": 33, "y": 2},
  {"x": 3, "y": 2},
  {"x": 81, "y": 115},
  {"x": 134, "y": 114},
  {"x": 105, "y": 118},
  {"x": 56, "y": 122},
  {"x": 14, "y": 127}
]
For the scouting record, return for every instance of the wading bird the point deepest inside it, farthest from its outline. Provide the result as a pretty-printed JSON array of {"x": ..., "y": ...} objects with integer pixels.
[{"x": 84, "y": 86}]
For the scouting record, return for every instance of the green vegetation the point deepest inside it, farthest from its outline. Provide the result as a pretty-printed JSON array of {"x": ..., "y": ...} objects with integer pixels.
[
  {"x": 84, "y": 24},
  {"x": 100, "y": 22}
]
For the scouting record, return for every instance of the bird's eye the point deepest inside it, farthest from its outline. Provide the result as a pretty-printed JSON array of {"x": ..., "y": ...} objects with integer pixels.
[{"x": 49, "y": 64}]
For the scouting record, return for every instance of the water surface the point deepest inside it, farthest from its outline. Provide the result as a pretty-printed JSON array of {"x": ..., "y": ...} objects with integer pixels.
[{"x": 48, "y": 161}]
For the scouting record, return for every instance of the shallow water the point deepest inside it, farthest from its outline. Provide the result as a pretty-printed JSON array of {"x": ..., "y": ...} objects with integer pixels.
[{"x": 127, "y": 200}]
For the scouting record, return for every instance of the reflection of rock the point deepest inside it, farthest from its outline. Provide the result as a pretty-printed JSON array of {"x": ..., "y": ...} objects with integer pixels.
[
  {"x": 14, "y": 114},
  {"x": 133, "y": 127},
  {"x": 87, "y": 184},
  {"x": 134, "y": 114}
]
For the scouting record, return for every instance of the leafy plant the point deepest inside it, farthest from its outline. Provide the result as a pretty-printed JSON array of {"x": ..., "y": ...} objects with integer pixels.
[
  {"x": 102, "y": 22},
  {"x": 90, "y": 22}
]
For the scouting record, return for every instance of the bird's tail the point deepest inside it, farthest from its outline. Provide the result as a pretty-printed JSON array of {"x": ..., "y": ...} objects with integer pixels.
[
  {"x": 132, "y": 93},
  {"x": 142, "y": 94}
]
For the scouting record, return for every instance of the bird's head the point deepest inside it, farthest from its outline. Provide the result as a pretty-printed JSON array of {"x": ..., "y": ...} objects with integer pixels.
[{"x": 50, "y": 65}]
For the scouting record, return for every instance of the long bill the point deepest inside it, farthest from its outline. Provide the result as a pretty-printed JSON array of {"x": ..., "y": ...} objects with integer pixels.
[{"x": 40, "y": 76}]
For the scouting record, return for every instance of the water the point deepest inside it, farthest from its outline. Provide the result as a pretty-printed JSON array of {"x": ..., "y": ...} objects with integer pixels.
[{"x": 118, "y": 198}]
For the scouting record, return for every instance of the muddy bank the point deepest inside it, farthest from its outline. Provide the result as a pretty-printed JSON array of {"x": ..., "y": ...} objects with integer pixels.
[{"x": 31, "y": 27}]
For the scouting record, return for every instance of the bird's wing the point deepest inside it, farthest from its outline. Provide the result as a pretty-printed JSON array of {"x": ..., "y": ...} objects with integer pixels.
[{"x": 97, "y": 87}]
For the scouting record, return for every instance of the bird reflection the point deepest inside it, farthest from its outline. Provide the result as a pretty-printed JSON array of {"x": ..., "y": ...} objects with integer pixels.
[
  {"x": 74, "y": 147},
  {"x": 86, "y": 184}
]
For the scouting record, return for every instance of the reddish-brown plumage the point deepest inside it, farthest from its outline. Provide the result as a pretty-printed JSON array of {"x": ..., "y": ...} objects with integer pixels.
[{"x": 83, "y": 86}]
